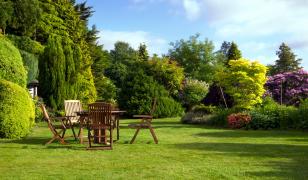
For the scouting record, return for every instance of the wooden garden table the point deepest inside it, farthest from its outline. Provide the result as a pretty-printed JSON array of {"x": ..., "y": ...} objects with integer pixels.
[{"x": 84, "y": 117}]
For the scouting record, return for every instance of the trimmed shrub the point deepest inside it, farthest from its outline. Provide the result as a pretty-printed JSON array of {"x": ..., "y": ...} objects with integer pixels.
[
  {"x": 238, "y": 120},
  {"x": 197, "y": 118},
  {"x": 168, "y": 107},
  {"x": 11, "y": 65},
  {"x": 261, "y": 121},
  {"x": 16, "y": 110}
]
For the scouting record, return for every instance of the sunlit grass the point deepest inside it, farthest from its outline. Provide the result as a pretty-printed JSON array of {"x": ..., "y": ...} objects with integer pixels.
[{"x": 183, "y": 152}]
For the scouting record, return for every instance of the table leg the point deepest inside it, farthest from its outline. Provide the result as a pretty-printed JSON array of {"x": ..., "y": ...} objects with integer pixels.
[
  {"x": 80, "y": 134},
  {"x": 118, "y": 128}
]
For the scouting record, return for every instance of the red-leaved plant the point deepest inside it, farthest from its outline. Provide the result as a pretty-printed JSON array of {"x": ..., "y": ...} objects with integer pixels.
[{"x": 238, "y": 120}]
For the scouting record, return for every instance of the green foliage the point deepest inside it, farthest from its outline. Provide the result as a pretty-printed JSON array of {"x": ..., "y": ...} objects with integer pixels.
[
  {"x": 59, "y": 71},
  {"x": 243, "y": 81},
  {"x": 168, "y": 107},
  {"x": 138, "y": 92},
  {"x": 6, "y": 12},
  {"x": 261, "y": 121},
  {"x": 205, "y": 109},
  {"x": 16, "y": 110},
  {"x": 271, "y": 115},
  {"x": 27, "y": 14},
  {"x": 193, "y": 92},
  {"x": 287, "y": 61},
  {"x": 31, "y": 65},
  {"x": 27, "y": 44},
  {"x": 143, "y": 54},
  {"x": 11, "y": 65},
  {"x": 123, "y": 53},
  {"x": 52, "y": 73},
  {"x": 167, "y": 73},
  {"x": 233, "y": 53},
  {"x": 196, "y": 57},
  {"x": 106, "y": 90}
]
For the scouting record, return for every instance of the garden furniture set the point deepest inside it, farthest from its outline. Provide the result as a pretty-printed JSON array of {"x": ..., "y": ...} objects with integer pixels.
[{"x": 100, "y": 120}]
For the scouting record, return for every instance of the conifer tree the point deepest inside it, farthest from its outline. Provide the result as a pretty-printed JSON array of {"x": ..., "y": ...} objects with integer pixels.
[
  {"x": 233, "y": 53},
  {"x": 52, "y": 73},
  {"x": 287, "y": 61},
  {"x": 143, "y": 54}
]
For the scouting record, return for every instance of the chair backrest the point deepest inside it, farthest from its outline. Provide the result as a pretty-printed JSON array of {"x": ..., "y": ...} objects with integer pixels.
[
  {"x": 47, "y": 118},
  {"x": 100, "y": 113},
  {"x": 154, "y": 103},
  {"x": 71, "y": 107}
]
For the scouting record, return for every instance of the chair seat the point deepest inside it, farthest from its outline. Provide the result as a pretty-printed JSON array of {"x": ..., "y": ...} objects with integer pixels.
[
  {"x": 141, "y": 125},
  {"x": 100, "y": 126},
  {"x": 143, "y": 116}
]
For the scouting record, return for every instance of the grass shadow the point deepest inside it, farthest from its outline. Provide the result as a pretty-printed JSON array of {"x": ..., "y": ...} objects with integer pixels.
[{"x": 297, "y": 156}]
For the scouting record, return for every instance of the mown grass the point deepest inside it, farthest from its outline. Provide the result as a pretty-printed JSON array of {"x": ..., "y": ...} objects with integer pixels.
[{"x": 183, "y": 152}]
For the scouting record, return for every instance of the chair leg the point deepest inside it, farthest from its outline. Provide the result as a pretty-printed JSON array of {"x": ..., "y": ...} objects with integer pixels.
[
  {"x": 153, "y": 134},
  {"x": 63, "y": 133},
  {"x": 89, "y": 138},
  {"x": 111, "y": 140},
  {"x": 74, "y": 133},
  {"x": 136, "y": 133}
]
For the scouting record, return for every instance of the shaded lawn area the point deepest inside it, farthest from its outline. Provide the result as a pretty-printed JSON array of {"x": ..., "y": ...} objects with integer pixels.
[{"x": 183, "y": 152}]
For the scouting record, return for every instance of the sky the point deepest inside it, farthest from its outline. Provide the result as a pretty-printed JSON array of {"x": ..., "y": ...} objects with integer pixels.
[{"x": 257, "y": 26}]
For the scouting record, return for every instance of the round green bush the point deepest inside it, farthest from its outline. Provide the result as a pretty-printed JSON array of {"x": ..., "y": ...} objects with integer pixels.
[
  {"x": 16, "y": 111},
  {"x": 11, "y": 65}
]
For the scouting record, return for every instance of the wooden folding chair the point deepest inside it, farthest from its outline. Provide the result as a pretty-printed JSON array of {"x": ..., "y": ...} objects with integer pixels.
[
  {"x": 71, "y": 107},
  {"x": 58, "y": 131},
  {"x": 146, "y": 123},
  {"x": 100, "y": 121}
]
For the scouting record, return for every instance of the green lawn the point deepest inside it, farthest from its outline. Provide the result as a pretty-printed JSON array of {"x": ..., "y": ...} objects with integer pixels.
[{"x": 183, "y": 152}]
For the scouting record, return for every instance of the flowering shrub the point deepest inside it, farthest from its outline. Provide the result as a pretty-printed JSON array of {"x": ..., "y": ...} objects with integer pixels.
[
  {"x": 193, "y": 92},
  {"x": 288, "y": 88},
  {"x": 238, "y": 120}
]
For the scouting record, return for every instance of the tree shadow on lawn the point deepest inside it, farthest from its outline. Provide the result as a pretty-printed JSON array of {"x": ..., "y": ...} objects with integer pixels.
[
  {"x": 227, "y": 133},
  {"x": 296, "y": 166}
]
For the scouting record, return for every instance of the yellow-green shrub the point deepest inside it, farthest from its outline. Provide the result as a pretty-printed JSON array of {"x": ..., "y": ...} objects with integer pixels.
[
  {"x": 16, "y": 110},
  {"x": 244, "y": 81},
  {"x": 11, "y": 65}
]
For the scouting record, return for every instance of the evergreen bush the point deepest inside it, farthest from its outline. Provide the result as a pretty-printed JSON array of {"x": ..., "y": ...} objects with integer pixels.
[
  {"x": 11, "y": 65},
  {"x": 16, "y": 110}
]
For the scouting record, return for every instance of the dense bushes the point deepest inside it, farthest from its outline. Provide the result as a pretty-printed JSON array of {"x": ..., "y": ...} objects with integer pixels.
[
  {"x": 139, "y": 92},
  {"x": 11, "y": 65},
  {"x": 168, "y": 107},
  {"x": 16, "y": 110}
]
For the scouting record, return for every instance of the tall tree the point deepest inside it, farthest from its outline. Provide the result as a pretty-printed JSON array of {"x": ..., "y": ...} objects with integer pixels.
[
  {"x": 6, "y": 13},
  {"x": 27, "y": 14},
  {"x": 233, "y": 53},
  {"x": 143, "y": 54},
  {"x": 197, "y": 57},
  {"x": 287, "y": 61},
  {"x": 52, "y": 73}
]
